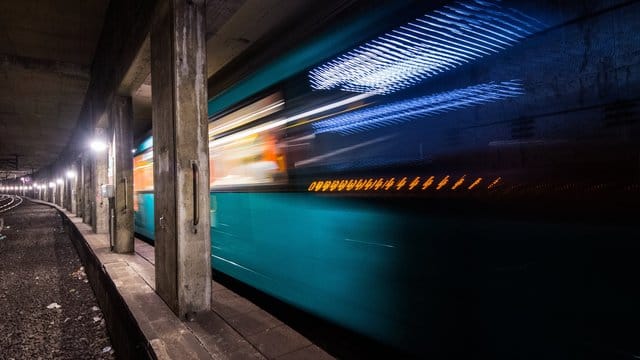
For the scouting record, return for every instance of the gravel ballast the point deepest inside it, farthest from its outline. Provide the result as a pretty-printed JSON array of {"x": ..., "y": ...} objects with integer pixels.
[{"x": 47, "y": 307}]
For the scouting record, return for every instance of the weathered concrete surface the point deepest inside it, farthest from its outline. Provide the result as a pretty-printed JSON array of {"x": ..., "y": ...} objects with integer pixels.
[
  {"x": 46, "y": 49},
  {"x": 181, "y": 156},
  {"x": 79, "y": 193},
  {"x": 143, "y": 326},
  {"x": 87, "y": 193},
  {"x": 122, "y": 117},
  {"x": 100, "y": 205},
  {"x": 39, "y": 267}
]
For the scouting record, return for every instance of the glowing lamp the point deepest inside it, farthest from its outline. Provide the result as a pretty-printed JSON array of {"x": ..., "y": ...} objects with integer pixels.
[{"x": 98, "y": 145}]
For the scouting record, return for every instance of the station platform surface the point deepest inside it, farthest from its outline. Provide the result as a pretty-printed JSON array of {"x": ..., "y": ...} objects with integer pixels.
[{"x": 235, "y": 328}]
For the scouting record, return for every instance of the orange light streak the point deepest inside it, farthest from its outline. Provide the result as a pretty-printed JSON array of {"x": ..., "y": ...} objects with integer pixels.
[
  {"x": 475, "y": 183},
  {"x": 427, "y": 182},
  {"x": 458, "y": 183},
  {"x": 494, "y": 183},
  {"x": 414, "y": 183}
]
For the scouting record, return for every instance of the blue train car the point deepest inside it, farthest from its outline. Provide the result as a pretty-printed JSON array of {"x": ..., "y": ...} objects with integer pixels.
[{"x": 414, "y": 183}]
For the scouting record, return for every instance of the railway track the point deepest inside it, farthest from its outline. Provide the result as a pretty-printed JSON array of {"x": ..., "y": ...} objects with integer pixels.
[{"x": 8, "y": 202}]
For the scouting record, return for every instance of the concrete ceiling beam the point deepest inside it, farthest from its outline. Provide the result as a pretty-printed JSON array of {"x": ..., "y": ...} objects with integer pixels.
[{"x": 10, "y": 62}]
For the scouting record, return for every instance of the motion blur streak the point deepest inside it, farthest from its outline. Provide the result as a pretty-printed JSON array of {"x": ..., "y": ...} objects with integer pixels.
[
  {"x": 437, "y": 42},
  {"x": 405, "y": 110}
]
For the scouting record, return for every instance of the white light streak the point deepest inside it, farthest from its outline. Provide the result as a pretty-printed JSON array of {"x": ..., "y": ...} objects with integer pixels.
[
  {"x": 437, "y": 42},
  {"x": 405, "y": 110}
]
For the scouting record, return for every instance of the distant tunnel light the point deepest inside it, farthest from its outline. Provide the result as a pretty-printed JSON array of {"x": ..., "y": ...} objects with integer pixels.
[
  {"x": 71, "y": 174},
  {"x": 405, "y": 110},
  {"x": 98, "y": 145},
  {"x": 52, "y": 185},
  {"x": 59, "y": 181},
  {"x": 437, "y": 42}
]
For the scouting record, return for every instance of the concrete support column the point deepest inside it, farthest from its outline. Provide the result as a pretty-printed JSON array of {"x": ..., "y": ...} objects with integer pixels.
[
  {"x": 71, "y": 189},
  {"x": 122, "y": 117},
  {"x": 65, "y": 189},
  {"x": 87, "y": 194},
  {"x": 77, "y": 190},
  {"x": 68, "y": 184},
  {"x": 60, "y": 191},
  {"x": 180, "y": 156},
  {"x": 100, "y": 205},
  {"x": 52, "y": 191},
  {"x": 79, "y": 187}
]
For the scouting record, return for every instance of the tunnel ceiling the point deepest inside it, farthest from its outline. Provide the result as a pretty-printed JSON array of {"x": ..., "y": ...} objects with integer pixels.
[{"x": 46, "y": 50}]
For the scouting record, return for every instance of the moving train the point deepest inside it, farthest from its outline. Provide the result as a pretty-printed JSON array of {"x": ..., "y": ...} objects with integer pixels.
[{"x": 447, "y": 178}]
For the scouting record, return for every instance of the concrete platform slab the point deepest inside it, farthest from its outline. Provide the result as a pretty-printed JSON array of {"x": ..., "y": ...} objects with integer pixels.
[{"x": 142, "y": 325}]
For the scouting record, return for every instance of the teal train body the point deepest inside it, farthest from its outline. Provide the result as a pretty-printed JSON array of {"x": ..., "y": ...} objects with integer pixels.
[{"x": 436, "y": 211}]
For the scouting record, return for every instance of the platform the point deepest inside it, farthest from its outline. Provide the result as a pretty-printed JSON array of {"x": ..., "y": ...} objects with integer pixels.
[{"x": 142, "y": 325}]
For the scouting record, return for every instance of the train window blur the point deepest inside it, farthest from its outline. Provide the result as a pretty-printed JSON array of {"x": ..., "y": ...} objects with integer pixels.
[
  {"x": 142, "y": 174},
  {"x": 241, "y": 155}
]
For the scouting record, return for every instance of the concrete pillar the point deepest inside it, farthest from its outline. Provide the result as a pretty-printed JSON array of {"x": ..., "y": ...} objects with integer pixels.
[
  {"x": 52, "y": 191},
  {"x": 87, "y": 194},
  {"x": 72, "y": 189},
  {"x": 77, "y": 189},
  {"x": 100, "y": 205},
  {"x": 180, "y": 157},
  {"x": 68, "y": 181},
  {"x": 122, "y": 117},
  {"x": 75, "y": 186},
  {"x": 60, "y": 191}
]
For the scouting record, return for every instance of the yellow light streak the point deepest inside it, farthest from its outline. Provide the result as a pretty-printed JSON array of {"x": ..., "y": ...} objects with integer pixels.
[
  {"x": 401, "y": 183},
  {"x": 379, "y": 183},
  {"x": 368, "y": 184},
  {"x": 442, "y": 182},
  {"x": 458, "y": 183},
  {"x": 427, "y": 183},
  {"x": 475, "y": 183},
  {"x": 414, "y": 182},
  {"x": 389, "y": 183},
  {"x": 494, "y": 183}
]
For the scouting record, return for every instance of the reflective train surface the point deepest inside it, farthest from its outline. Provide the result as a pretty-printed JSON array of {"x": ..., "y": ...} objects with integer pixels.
[{"x": 459, "y": 179}]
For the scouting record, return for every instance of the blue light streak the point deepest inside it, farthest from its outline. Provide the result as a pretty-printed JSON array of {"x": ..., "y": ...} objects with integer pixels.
[
  {"x": 405, "y": 110},
  {"x": 437, "y": 42},
  {"x": 146, "y": 144}
]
